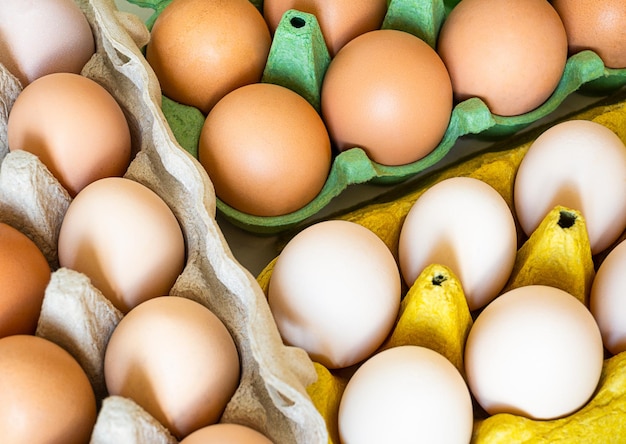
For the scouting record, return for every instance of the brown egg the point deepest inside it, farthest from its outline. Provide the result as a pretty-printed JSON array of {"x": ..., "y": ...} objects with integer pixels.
[
  {"x": 125, "y": 238},
  {"x": 46, "y": 395},
  {"x": 340, "y": 20},
  {"x": 75, "y": 127},
  {"x": 265, "y": 149},
  {"x": 24, "y": 275},
  {"x": 32, "y": 44},
  {"x": 389, "y": 93},
  {"x": 509, "y": 53},
  {"x": 596, "y": 25},
  {"x": 202, "y": 49},
  {"x": 176, "y": 359}
]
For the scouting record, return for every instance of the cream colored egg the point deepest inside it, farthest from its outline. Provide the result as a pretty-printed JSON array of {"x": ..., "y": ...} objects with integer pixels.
[
  {"x": 579, "y": 164},
  {"x": 406, "y": 394},
  {"x": 176, "y": 359},
  {"x": 535, "y": 351},
  {"x": 465, "y": 224},
  {"x": 125, "y": 238},
  {"x": 335, "y": 292},
  {"x": 41, "y": 37},
  {"x": 607, "y": 300}
]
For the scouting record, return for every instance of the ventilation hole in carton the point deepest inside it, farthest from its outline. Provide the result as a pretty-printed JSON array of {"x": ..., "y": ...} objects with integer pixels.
[
  {"x": 439, "y": 279},
  {"x": 566, "y": 219},
  {"x": 297, "y": 22}
]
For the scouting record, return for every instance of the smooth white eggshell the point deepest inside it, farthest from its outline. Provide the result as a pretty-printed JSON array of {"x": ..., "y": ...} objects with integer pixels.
[
  {"x": 607, "y": 300},
  {"x": 535, "y": 351},
  {"x": 465, "y": 224},
  {"x": 406, "y": 394},
  {"x": 335, "y": 292},
  {"x": 579, "y": 164},
  {"x": 43, "y": 37}
]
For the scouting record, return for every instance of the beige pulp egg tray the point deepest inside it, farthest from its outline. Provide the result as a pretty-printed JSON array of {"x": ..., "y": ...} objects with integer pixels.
[{"x": 271, "y": 397}]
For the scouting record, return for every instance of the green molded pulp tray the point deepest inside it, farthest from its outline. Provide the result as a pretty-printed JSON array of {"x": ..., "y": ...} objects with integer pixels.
[{"x": 298, "y": 59}]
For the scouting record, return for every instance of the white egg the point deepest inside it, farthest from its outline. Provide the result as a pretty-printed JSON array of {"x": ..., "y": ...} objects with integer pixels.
[
  {"x": 579, "y": 164},
  {"x": 535, "y": 351},
  {"x": 607, "y": 300},
  {"x": 406, "y": 394},
  {"x": 44, "y": 37},
  {"x": 465, "y": 224},
  {"x": 335, "y": 292}
]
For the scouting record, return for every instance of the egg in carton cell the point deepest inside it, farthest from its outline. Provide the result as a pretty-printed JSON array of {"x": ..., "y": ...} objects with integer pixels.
[
  {"x": 271, "y": 396},
  {"x": 298, "y": 59}
]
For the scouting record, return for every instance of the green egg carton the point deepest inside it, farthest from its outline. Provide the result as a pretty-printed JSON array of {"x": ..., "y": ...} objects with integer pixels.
[{"x": 298, "y": 59}]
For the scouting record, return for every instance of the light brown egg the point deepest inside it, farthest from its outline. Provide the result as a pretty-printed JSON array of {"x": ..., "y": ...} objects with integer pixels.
[
  {"x": 389, "y": 93},
  {"x": 24, "y": 275},
  {"x": 596, "y": 25},
  {"x": 509, "y": 53},
  {"x": 224, "y": 433},
  {"x": 340, "y": 21},
  {"x": 265, "y": 149},
  {"x": 75, "y": 127},
  {"x": 202, "y": 49},
  {"x": 125, "y": 238},
  {"x": 46, "y": 395},
  {"x": 176, "y": 359},
  {"x": 40, "y": 37}
]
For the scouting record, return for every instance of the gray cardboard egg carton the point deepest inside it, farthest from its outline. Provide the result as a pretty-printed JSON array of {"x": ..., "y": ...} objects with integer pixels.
[{"x": 272, "y": 395}]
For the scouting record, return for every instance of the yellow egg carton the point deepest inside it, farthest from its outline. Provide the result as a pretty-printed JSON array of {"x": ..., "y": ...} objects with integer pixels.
[
  {"x": 436, "y": 315},
  {"x": 271, "y": 396},
  {"x": 298, "y": 59}
]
